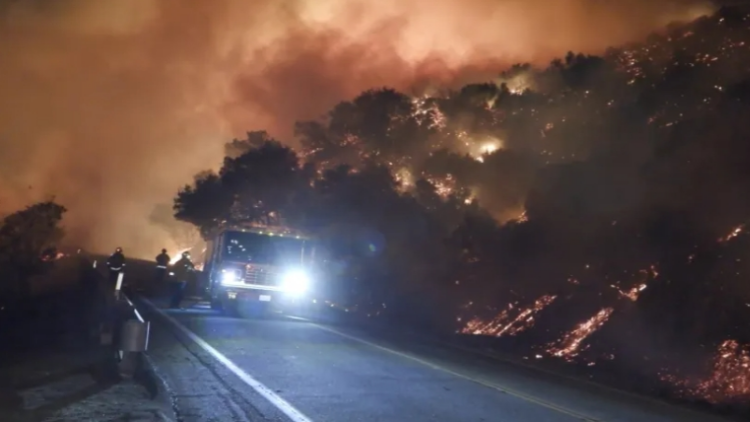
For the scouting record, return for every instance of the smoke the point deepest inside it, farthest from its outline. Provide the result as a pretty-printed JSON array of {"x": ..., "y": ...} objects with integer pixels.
[{"x": 111, "y": 106}]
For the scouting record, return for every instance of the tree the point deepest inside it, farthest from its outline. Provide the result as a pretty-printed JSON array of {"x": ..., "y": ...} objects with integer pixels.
[
  {"x": 264, "y": 182},
  {"x": 377, "y": 125},
  {"x": 25, "y": 235},
  {"x": 260, "y": 185},
  {"x": 205, "y": 204},
  {"x": 238, "y": 147}
]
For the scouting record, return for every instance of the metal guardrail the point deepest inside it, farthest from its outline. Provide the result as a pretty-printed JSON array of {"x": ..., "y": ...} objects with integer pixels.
[{"x": 125, "y": 330}]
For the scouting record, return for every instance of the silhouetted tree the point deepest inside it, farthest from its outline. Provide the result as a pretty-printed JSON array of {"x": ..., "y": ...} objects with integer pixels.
[
  {"x": 206, "y": 203},
  {"x": 25, "y": 236}
]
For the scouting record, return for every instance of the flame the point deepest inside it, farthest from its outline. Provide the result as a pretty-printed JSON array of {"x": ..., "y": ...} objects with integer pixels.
[
  {"x": 177, "y": 256},
  {"x": 481, "y": 146},
  {"x": 405, "y": 178},
  {"x": 570, "y": 345},
  {"x": 518, "y": 83},
  {"x": 428, "y": 113},
  {"x": 443, "y": 186},
  {"x": 489, "y": 147},
  {"x": 499, "y": 326}
]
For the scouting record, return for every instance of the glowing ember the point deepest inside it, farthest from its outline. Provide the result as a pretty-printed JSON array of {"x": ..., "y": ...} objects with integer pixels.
[
  {"x": 499, "y": 326},
  {"x": 654, "y": 272},
  {"x": 428, "y": 113},
  {"x": 729, "y": 380},
  {"x": 570, "y": 345},
  {"x": 633, "y": 293},
  {"x": 731, "y": 374},
  {"x": 734, "y": 233}
]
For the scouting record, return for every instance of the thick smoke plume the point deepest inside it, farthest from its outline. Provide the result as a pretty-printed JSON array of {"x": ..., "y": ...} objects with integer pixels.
[{"x": 111, "y": 105}]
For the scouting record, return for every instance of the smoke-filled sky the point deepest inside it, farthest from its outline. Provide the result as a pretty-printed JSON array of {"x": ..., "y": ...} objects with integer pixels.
[{"x": 112, "y": 105}]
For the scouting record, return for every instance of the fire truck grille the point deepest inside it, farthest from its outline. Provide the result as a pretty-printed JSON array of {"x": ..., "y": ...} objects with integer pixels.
[{"x": 260, "y": 276}]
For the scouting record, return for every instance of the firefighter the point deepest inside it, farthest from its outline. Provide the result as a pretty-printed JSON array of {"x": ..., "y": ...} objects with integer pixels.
[
  {"x": 115, "y": 264},
  {"x": 162, "y": 263},
  {"x": 182, "y": 270}
]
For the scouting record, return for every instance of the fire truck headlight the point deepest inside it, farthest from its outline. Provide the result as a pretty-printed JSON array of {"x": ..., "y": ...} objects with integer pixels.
[
  {"x": 229, "y": 277},
  {"x": 296, "y": 282}
]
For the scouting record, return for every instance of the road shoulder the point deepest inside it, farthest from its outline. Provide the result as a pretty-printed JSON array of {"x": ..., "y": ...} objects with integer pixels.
[
  {"x": 53, "y": 366},
  {"x": 197, "y": 386}
]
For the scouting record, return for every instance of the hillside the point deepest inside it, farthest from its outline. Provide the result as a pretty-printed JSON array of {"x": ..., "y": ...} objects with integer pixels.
[{"x": 591, "y": 212}]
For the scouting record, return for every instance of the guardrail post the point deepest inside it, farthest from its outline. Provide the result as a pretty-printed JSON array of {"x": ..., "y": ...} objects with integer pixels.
[
  {"x": 123, "y": 331},
  {"x": 118, "y": 286},
  {"x": 133, "y": 341},
  {"x": 111, "y": 324},
  {"x": 134, "y": 336}
]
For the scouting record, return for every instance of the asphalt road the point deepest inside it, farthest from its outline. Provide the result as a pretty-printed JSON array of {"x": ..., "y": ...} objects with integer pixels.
[{"x": 286, "y": 369}]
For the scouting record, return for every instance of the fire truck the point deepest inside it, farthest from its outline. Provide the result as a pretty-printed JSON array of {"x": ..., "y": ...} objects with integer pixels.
[{"x": 266, "y": 267}]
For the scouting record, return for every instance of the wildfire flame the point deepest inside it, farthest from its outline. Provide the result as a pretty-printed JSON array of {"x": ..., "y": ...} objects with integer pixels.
[
  {"x": 517, "y": 84},
  {"x": 405, "y": 178},
  {"x": 444, "y": 187},
  {"x": 499, "y": 326},
  {"x": 428, "y": 113},
  {"x": 177, "y": 256},
  {"x": 479, "y": 147},
  {"x": 489, "y": 147},
  {"x": 570, "y": 345}
]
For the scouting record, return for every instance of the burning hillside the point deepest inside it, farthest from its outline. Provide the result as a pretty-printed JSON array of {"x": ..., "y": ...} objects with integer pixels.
[{"x": 589, "y": 210}]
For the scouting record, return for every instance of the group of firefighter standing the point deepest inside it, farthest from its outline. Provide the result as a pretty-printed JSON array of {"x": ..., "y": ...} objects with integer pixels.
[{"x": 177, "y": 276}]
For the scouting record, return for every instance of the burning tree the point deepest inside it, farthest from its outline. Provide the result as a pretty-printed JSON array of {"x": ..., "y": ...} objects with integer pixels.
[{"x": 616, "y": 182}]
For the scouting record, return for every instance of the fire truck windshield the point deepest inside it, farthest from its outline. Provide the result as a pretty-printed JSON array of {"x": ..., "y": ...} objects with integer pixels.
[{"x": 263, "y": 249}]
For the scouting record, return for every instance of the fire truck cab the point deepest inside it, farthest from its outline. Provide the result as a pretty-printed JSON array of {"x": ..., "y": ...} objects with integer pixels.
[{"x": 269, "y": 267}]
